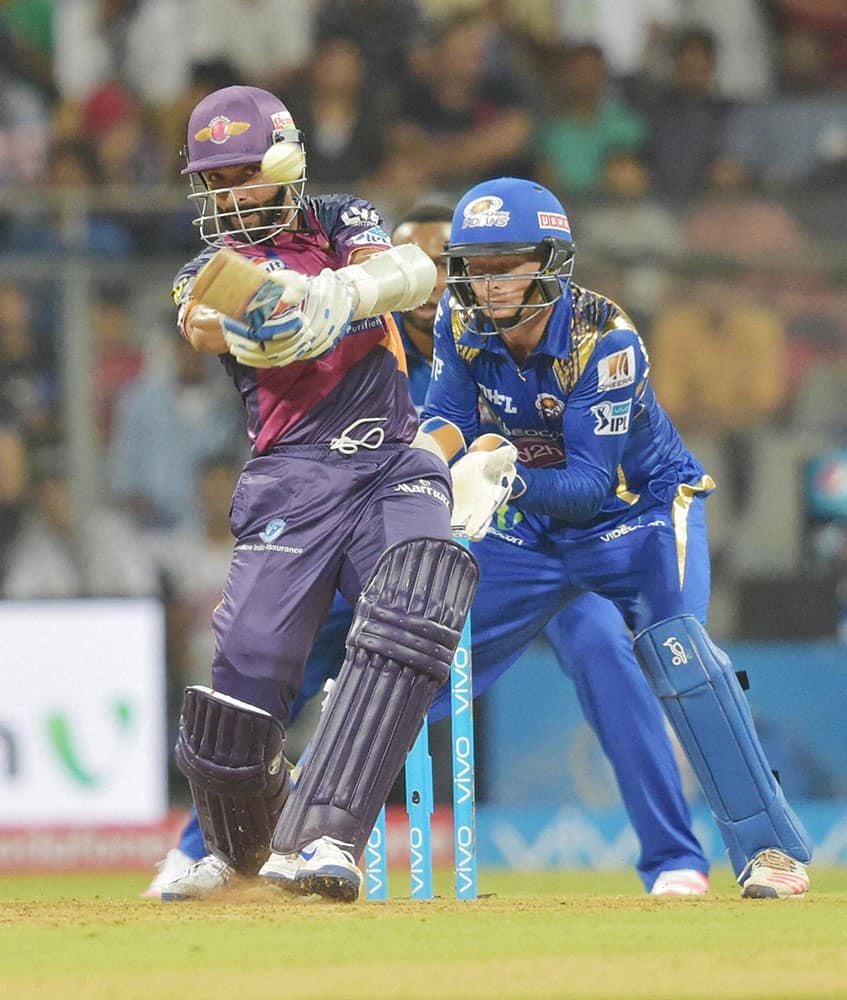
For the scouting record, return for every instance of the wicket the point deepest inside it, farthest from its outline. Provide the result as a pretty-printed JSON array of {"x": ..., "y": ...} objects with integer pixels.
[{"x": 419, "y": 803}]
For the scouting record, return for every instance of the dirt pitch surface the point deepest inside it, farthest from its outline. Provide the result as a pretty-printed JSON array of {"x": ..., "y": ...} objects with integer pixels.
[{"x": 542, "y": 935}]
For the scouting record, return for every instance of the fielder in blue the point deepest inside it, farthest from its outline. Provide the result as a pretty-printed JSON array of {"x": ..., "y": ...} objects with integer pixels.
[
  {"x": 607, "y": 500},
  {"x": 589, "y": 637}
]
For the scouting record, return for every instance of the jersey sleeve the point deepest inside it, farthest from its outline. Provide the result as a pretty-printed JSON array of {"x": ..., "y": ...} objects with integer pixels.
[
  {"x": 452, "y": 391},
  {"x": 596, "y": 423},
  {"x": 352, "y": 224},
  {"x": 184, "y": 283}
]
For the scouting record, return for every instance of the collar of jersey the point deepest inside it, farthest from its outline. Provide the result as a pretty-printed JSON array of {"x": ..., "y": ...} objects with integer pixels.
[{"x": 556, "y": 340}]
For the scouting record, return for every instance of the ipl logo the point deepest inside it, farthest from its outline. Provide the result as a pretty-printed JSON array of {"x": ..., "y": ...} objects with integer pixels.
[{"x": 678, "y": 655}]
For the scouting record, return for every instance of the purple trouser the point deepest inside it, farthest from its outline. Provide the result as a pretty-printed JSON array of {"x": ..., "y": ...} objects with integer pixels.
[{"x": 308, "y": 520}]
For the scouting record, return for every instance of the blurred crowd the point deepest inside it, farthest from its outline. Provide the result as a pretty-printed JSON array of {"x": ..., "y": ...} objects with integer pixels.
[{"x": 701, "y": 149}]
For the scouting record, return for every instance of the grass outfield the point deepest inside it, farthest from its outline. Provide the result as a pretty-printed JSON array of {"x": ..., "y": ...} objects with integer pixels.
[{"x": 543, "y": 935}]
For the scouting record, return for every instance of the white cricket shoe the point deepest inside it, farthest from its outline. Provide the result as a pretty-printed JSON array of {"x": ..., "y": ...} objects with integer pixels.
[
  {"x": 772, "y": 874},
  {"x": 680, "y": 882},
  {"x": 322, "y": 867},
  {"x": 174, "y": 864},
  {"x": 204, "y": 877}
]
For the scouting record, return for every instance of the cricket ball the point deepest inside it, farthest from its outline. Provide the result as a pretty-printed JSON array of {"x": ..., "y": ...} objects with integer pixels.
[{"x": 283, "y": 163}]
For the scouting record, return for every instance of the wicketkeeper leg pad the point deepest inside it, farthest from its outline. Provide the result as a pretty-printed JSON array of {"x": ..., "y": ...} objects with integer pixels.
[
  {"x": 232, "y": 755},
  {"x": 704, "y": 702},
  {"x": 405, "y": 630}
]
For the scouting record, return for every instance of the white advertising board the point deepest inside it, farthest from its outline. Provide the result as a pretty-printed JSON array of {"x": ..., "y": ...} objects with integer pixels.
[{"x": 82, "y": 712}]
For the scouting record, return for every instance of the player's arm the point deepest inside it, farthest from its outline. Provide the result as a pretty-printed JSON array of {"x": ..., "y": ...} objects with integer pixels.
[
  {"x": 275, "y": 320},
  {"x": 452, "y": 392},
  {"x": 596, "y": 423},
  {"x": 198, "y": 324}
]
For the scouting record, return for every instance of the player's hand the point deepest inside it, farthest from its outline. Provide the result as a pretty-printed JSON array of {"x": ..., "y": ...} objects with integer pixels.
[
  {"x": 327, "y": 310},
  {"x": 277, "y": 347},
  {"x": 482, "y": 482},
  {"x": 300, "y": 332}
]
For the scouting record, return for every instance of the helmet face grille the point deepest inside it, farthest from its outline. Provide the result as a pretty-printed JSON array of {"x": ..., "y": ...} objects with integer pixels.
[
  {"x": 474, "y": 293},
  {"x": 218, "y": 213}
]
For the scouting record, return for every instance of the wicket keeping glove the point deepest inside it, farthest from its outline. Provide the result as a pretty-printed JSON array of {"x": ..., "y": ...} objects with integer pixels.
[{"x": 482, "y": 482}]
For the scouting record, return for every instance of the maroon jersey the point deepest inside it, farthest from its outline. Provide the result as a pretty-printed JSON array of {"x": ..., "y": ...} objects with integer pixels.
[{"x": 363, "y": 378}]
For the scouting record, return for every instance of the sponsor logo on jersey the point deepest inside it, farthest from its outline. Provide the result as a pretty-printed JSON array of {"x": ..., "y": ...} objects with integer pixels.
[
  {"x": 376, "y": 234},
  {"x": 485, "y": 211},
  {"x": 553, "y": 220},
  {"x": 616, "y": 371},
  {"x": 535, "y": 432},
  {"x": 612, "y": 418},
  {"x": 511, "y": 539},
  {"x": 498, "y": 399},
  {"x": 424, "y": 487},
  {"x": 219, "y": 130},
  {"x": 627, "y": 529},
  {"x": 273, "y": 530},
  {"x": 549, "y": 406},
  {"x": 539, "y": 454},
  {"x": 360, "y": 215}
]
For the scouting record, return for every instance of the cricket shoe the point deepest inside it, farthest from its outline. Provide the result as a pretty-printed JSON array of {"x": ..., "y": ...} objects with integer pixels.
[
  {"x": 322, "y": 867},
  {"x": 680, "y": 882},
  {"x": 174, "y": 864},
  {"x": 208, "y": 875},
  {"x": 772, "y": 874}
]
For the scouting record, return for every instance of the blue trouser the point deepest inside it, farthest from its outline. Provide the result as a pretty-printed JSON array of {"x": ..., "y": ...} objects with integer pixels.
[
  {"x": 594, "y": 649},
  {"x": 655, "y": 568}
]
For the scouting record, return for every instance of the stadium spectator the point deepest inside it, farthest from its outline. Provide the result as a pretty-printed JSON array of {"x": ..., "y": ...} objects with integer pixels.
[
  {"x": 386, "y": 32},
  {"x": 168, "y": 422},
  {"x": 193, "y": 560},
  {"x": 13, "y": 478},
  {"x": 47, "y": 557},
  {"x": 117, "y": 357},
  {"x": 24, "y": 125},
  {"x": 826, "y": 20},
  {"x": 629, "y": 226},
  {"x": 631, "y": 35},
  {"x": 334, "y": 109},
  {"x": 799, "y": 135},
  {"x": 28, "y": 376},
  {"x": 456, "y": 120},
  {"x": 66, "y": 218},
  {"x": 687, "y": 120},
  {"x": 583, "y": 122},
  {"x": 265, "y": 44}
]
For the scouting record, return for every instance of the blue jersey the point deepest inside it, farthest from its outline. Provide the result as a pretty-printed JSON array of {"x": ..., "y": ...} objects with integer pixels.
[
  {"x": 418, "y": 364},
  {"x": 594, "y": 445}
]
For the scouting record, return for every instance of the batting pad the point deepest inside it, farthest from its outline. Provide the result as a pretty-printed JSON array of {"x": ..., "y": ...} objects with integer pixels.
[
  {"x": 704, "y": 702},
  {"x": 232, "y": 755},
  {"x": 405, "y": 630}
]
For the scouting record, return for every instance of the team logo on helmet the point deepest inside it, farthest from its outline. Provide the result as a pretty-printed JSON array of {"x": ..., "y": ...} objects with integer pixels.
[
  {"x": 219, "y": 129},
  {"x": 485, "y": 211},
  {"x": 549, "y": 406}
]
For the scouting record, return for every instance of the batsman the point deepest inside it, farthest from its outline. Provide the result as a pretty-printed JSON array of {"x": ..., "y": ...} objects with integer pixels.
[{"x": 294, "y": 294}]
